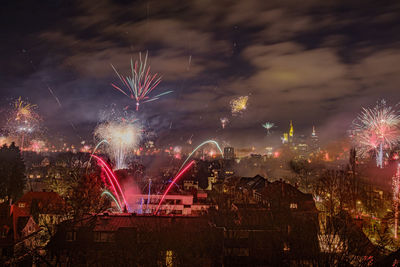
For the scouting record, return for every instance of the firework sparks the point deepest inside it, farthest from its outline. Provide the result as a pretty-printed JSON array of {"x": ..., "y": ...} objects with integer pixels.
[
  {"x": 24, "y": 111},
  {"x": 224, "y": 122},
  {"x": 376, "y": 130},
  {"x": 122, "y": 139},
  {"x": 37, "y": 145},
  {"x": 268, "y": 126},
  {"x": 238, "y": 105},
  {"x": 141, "y": 83}
]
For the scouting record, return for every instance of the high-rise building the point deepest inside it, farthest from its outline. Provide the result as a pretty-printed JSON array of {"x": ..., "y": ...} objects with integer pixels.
[
  {"x": 285, "y": 138},
  {"x": 314, "y": 142},
  {"x": 229, "y": 153},
  {"x": 291, "y": 133}
]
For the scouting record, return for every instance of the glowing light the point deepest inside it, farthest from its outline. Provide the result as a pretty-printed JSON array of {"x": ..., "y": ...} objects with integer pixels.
[
  {"x": 285, "y": 138},
  {"x": 238, "y": 105},
  {"x": 141, "y": 83},
  {"x": 202, "y": 144},
  {"x": 122, "y": 138},
  {"x": 106, "y": 193},
  {"x": 172, "y": 183},
  {"x": 148, "y": 195},
  {"x": 376, "y": 130}
]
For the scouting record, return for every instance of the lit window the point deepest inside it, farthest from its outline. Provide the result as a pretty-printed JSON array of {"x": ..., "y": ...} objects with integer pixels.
[
  {"x": 293, "y": 205},
  {"x": 21, "y": 205},
  {"x": 286, "y": 247},
  {"x": 169, "y": 258}
]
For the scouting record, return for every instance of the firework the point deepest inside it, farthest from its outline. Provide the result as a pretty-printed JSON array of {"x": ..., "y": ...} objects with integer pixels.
[
  {"x": 180, "y": 173},
  {"x": 376, "y": 130},
  {"x": 110, "y": 195},
  {"x": 37, "y": 145},
  {"x": 24, "y": 111},
  {"x": 140, "y": 84},
  {"x": 238, "y": 105},
  {"x": 268, "y": 126},
  {"x": 23, "y": 120},
  {"x": 122, "y": 139},
  {"x": 224, "y": 122},
  {"x": 113, "y": 181},
  {"x": 198, "y": 147}
]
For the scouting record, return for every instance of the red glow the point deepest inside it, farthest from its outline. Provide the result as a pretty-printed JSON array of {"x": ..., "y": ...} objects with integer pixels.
[
  {"x": 113, "y": 176},
  {"x": 173, "y": 182},
  {"x": 276, "y": 154}
]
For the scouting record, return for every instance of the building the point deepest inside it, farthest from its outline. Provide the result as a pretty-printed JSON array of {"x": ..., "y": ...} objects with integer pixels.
[
  {"x": 276, "y": 210},
  {"x": 314, "y": 141},
  {"x": 47, "y": 209},
  {"x": 127, "y": 239},
  {"x": 172, "y": 205}
]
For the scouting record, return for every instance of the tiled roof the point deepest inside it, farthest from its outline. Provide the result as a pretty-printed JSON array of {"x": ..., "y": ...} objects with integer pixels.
[
  {"x": 113, "y": 222},
  {"x": 41, "y": 196},
  {"x": 48, "y": 202}
]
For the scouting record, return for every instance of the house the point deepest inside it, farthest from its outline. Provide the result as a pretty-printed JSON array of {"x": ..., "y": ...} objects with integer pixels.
[
  {"x": 285, "y": 219},
  {"x": 46, "y": 209},
  {"x": 146, "y": 240}
]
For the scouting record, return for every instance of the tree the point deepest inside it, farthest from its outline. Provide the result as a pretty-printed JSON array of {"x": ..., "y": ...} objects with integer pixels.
[
  {"x": 85, "y": 196},
  {"x": 12, "y": 172}
]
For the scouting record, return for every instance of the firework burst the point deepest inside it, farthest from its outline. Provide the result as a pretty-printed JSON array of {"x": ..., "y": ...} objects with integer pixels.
[
  {"x": 268, "y": 126},
  {"x": 37, "y": 145},
  {"x": 23, "y": 121},
  {"x": 122, "y": 138},
  {"x": 238, "y": 105},
  {"x": 224, "y": 122},
  {"x": 376, "y": 130},
  {"x": 141, "y": 82},
  {"x": 24, "y": 111}
]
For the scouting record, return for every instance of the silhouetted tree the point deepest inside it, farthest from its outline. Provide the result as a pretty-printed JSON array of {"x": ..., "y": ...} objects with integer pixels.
[{"x": 12, "y": 172}]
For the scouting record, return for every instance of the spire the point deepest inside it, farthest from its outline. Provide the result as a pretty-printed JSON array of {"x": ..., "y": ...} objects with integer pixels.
[
  {"x": 291, "y": 129},
  {"x": 313, "y": 131}
]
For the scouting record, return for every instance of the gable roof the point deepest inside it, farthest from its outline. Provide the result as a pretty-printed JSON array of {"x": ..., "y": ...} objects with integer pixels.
[{"x": 251, "y": 183}]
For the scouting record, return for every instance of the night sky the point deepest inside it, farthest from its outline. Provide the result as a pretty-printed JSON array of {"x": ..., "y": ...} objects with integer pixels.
[{"x": 308, "y": 61}]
